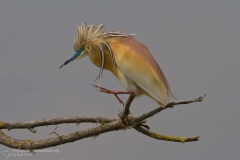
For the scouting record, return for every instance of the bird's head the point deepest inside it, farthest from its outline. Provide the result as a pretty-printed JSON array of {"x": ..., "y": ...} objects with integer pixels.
[{"x": 85, "y": 39}]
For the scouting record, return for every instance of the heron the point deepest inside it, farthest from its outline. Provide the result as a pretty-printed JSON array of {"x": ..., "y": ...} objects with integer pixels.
[{"x": 127, "y": 58}]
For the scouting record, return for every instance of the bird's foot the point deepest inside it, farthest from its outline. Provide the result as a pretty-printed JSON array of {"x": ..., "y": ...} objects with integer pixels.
[
  {"x": 124, "y": 120},
  {"x": 115, "y": 93},
  {"x": 124, "y": 127}
]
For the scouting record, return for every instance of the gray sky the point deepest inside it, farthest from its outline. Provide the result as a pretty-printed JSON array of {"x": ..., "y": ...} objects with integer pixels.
[{"x": 196, "y": 43}]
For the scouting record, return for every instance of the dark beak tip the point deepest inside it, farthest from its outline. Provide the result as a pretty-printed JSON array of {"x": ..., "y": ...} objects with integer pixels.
[{"x": 61, "y": 66}]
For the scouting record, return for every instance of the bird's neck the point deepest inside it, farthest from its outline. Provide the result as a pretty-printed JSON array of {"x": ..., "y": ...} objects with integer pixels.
[{"x": 96, "y": 58}]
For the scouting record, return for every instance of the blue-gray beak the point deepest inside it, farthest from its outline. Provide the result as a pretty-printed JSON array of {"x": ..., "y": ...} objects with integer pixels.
[{"x": 70, "y": 59}]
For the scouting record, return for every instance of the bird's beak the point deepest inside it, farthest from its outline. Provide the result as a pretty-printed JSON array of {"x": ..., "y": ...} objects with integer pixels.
[{"x": 73, "y": 57}]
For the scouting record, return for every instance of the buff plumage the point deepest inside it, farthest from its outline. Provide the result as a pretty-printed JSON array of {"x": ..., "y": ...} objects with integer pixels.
[{"x": 128, "y": 59}]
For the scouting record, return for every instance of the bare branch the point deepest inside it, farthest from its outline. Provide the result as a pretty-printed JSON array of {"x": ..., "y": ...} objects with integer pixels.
[
  {"x": 166, "y": 137},
  {"x": 53, "y": 121},
  {"x": 107, "y": 125},
  {"x": 45, "y": 143}
]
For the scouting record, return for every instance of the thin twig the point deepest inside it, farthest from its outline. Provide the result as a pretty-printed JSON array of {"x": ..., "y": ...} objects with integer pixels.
[
  {"x": 169, "y": 105},
  {"x": 54, "y": 132},
  {"x": 32, "y": 130}
]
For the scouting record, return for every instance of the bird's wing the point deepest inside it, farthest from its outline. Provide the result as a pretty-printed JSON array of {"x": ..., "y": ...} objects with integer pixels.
[{"x": 137, "y": 63}]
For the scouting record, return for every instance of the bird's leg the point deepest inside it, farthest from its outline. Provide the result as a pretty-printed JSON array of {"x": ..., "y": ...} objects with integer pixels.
[
  {"x": 115, "y": 93},
  {"x": 101, "y": 89}
]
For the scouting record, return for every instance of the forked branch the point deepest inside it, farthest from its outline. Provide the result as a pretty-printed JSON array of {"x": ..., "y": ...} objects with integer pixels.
[{"x": 106, "y": 125}]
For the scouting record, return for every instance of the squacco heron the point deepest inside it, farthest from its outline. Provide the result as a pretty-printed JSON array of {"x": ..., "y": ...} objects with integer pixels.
[{"x": 128, "y": 59}]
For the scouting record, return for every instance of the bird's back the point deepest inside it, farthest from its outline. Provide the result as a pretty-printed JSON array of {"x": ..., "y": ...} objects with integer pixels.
[{"x": 136, "y": 63}]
